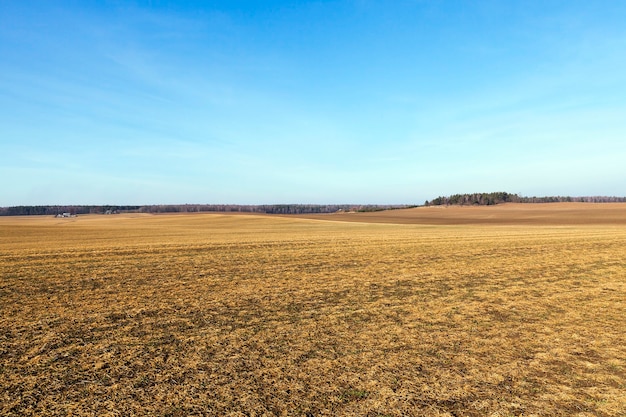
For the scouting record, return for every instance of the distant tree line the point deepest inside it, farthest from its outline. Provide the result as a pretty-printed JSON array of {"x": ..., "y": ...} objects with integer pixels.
[
  {"x": 477, "y": 199},
  {"x": 56, "y": 210},
  {"x": 488, "y": 199},
  {"x": 195, "y": 208},
  {"x": 266, "y": 208}
]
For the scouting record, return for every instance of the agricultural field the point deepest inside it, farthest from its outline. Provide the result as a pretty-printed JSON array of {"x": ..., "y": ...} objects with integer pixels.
[{"x": 343, "y": 315}]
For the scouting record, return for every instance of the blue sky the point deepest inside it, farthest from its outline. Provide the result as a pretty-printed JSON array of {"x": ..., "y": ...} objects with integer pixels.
[{"x": 255, "y": 102}]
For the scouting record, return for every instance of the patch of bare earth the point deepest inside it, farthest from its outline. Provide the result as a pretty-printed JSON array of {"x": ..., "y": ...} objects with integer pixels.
[
  {"x": 214, "y": 315},
  {"x": 544, "y": 214}
]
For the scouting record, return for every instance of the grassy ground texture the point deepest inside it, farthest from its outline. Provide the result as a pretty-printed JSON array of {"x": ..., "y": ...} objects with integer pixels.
[{"x": 236, "y": 315}]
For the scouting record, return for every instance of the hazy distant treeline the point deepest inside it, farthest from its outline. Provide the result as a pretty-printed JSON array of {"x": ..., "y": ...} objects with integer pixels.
[
  {"x": 483, "y": 199},
  {"x": 487, "y": 199},
  {"x": 193, "y": 208},
  {"x": 56, "y": 210},
  {"x": 267, "y": 208}
]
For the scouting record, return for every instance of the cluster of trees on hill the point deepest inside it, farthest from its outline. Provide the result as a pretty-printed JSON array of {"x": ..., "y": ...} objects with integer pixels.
[
  {"x": 487, "y": 199},
  {"x": 194, "y": 208}
]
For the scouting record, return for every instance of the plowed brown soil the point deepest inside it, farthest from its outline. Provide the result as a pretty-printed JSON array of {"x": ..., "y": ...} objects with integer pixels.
[{"x": 503, "y": 214}]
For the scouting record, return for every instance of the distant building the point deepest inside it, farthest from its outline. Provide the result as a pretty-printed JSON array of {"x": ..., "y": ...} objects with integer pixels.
[{"x": 66, "y": 215}]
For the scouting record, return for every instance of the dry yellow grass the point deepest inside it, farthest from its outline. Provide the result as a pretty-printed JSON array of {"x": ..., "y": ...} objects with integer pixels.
[{"x": 217, "y": 315}]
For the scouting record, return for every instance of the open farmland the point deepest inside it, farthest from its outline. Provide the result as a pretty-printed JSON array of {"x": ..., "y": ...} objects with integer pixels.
[
  {"x": 545, "y": 214},
  {"x": 245, "y": 315}
]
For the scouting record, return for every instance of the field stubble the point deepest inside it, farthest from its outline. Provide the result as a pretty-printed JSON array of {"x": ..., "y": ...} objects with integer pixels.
[{"x": 254, "y": 315}]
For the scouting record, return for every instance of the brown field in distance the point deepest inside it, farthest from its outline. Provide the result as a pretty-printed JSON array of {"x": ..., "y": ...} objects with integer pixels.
[
  {"x": 503, "y": 214},
  {"x": 500, "y": 311}
]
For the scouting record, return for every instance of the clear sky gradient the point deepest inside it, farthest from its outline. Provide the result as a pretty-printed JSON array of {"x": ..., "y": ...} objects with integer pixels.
[{"x": 255, "y": 102}]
